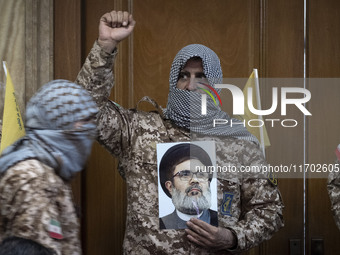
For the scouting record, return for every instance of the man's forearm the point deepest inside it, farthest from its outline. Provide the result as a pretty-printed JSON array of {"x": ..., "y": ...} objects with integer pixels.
[{"x": 97, "y": 75}]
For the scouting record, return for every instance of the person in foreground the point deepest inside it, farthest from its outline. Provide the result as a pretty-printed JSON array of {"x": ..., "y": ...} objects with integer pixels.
[
  {"x": 249, "y": 208},
  {"x": 35, "y": 172}
]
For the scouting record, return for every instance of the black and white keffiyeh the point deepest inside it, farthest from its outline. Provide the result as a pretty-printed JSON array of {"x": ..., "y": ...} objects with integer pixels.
[
  {"x": 60, "y": 129},
  {"x": 184, "y": 107}
]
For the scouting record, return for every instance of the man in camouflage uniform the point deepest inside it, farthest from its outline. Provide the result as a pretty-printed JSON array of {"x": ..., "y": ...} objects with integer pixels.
[
  {"x": 249, "y": 209},
  {"x": 35, "y": 196},
  {"x": 333, "y": 187}
]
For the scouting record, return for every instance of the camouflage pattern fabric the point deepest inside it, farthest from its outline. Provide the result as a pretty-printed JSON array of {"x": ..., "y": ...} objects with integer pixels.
[
  {"x": 333, "y": 187},
  {"x": 33, "y": 199},
  {"x": 250, "y": 207}
]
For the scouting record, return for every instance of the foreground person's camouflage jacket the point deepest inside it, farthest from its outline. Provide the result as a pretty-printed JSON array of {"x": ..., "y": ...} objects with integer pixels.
[
  {"x": 251, "y": 208},
  {"x": 37, "y": 204}
]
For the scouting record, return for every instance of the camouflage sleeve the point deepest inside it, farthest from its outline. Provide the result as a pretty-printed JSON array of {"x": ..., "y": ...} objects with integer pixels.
[
  {"x": 262, "y": 205},
  {"x": 333, "y": 186},
  {"x": 113, "y": 120},
  {"x": 96, "y": 74}
]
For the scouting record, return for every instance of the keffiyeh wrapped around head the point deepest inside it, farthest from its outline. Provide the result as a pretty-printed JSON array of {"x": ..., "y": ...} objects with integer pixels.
[
  {"x": 60, "y": 129},
  {"x": 184, "y": 107}
]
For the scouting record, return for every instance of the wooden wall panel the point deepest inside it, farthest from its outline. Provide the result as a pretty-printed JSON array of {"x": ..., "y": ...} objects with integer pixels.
[
  {"x": 282, "y": 57},
  {"x": 323, "y": 41},
  {"x": 67, "y": 39},
  {"x": 26, "y": 31},
  {"x": 67, "y": 52},
  {"x": 284, "y": 39},
  {"x": 323, "y": 137},
  {"x": 67, "y": 63},
  {"x": 227, "y": 27},
  {"x": 39, "y": 45},
  {"x": 105, "y": 205},
  {"x": 12, "y": 47}
]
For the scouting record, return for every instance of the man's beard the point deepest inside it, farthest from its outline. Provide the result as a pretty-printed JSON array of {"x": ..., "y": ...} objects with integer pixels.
[{"x": 187, "y": 204}]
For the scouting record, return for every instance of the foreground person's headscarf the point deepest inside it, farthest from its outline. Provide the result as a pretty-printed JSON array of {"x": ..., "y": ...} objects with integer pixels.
[
  {"x": 51, "y": 136},
  {"x": 184, "y": 107}
]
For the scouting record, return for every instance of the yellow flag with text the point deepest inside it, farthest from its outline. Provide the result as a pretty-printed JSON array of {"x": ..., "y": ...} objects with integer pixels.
[
  {"x": 261, "y": 135},
  {"x": 12, "y": 124}
]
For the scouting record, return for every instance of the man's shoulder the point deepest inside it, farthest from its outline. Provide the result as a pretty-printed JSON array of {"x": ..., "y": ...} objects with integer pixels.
[
  {"x": 240, "y": 144},
  {"x": 152, "y": 121},
  {"x": 231, "y": 148},
  {"x": 28, "y": 172},
  {"x": 26, "y": 169}
]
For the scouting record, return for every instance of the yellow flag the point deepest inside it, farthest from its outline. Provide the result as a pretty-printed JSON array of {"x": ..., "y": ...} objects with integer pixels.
[
  {"x": 259, "y": 132},
  {"x": 12, "y": 125}
]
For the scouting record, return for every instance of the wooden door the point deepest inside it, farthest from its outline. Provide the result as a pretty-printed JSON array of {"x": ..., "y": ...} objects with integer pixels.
[{"x": 323, "y": 128}]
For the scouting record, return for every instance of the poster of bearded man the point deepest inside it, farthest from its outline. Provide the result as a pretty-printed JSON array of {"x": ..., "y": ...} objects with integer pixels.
[{"x": 187, "y": 187}]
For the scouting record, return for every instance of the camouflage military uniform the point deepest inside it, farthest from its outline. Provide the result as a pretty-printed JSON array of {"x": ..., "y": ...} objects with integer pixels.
[
  {"x": 250, "y": 207},
  {"x": 334, "y": 194},
  {"x": 33, "y": 200}
]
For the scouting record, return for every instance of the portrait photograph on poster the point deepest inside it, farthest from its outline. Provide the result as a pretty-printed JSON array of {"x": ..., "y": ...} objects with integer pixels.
[{"x": 186, "y": 186}]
